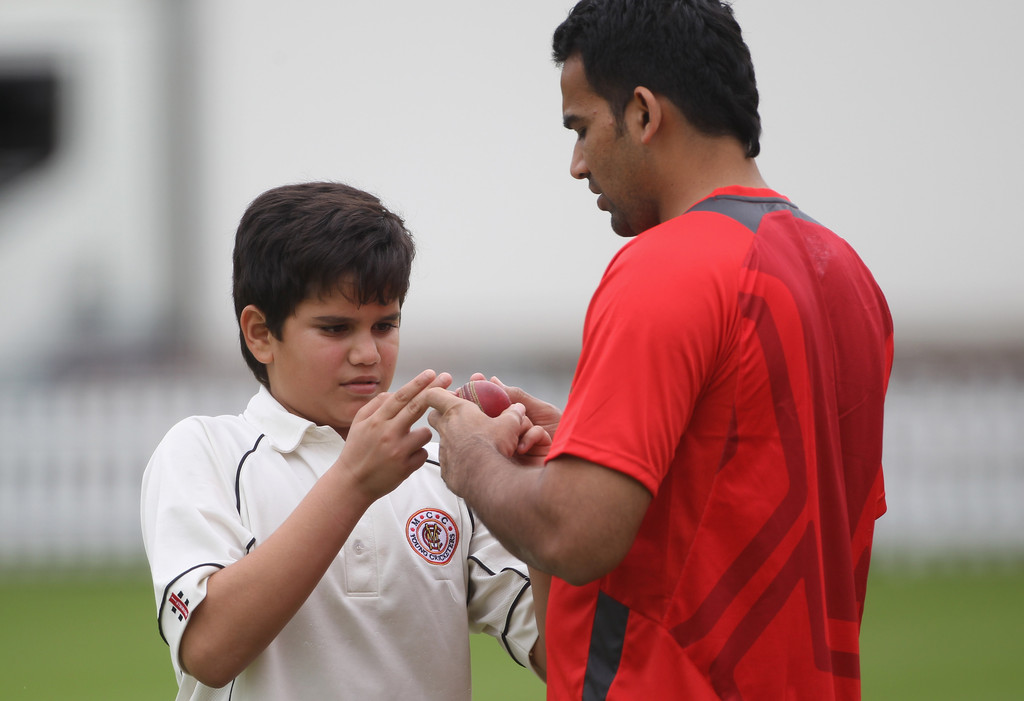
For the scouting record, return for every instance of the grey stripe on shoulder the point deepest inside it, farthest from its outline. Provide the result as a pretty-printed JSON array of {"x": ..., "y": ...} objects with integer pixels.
[{"x": 748, "y": 211}]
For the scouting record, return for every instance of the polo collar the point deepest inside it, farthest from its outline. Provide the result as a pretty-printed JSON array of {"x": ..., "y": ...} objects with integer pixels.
[{"x": 285, "y": 430}]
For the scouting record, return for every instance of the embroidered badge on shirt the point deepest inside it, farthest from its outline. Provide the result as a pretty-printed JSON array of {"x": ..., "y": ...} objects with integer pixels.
[
  {"x": 180, "y": 606},
  {"x": 433, "y": 535}
]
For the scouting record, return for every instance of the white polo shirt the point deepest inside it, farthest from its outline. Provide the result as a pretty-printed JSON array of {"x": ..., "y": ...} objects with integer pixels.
[{"x": 390, "y": 619}]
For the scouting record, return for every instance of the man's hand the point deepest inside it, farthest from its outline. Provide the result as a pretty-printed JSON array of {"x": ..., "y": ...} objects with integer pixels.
[
  {"x": 539, "y": 412},
  {"x": 570, "y": 517},
  {"x": 464, "y": 430}
]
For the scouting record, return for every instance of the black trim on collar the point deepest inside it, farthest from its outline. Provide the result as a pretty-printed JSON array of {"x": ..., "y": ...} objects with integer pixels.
[{"x": 238, "y": 473}]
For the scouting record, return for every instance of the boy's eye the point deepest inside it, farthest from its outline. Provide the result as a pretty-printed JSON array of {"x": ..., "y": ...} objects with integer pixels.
[
  {"x": 334, "y": 329},
  {"x": 387, "y": 326}
]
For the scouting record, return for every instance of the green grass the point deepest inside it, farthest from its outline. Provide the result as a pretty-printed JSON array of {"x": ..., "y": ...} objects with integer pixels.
[
  {"x": 940, "y": 637},
  {"x": 944, "y": 636},
  {"x": 82, "y": 638}
]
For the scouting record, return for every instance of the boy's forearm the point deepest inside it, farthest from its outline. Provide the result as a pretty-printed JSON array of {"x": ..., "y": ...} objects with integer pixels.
[{"x": 250, "y": 601}]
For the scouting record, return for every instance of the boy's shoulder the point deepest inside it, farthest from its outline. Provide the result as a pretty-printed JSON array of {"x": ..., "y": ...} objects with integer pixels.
[
  {"x": 229, "y": 427},
  {"x": 232, "y": 429},
  {"x": 202, "y": 439},
  {"x": 199, "y": 453}
]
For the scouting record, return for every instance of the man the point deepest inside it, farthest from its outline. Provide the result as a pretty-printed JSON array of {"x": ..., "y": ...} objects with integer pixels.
[{"x": 708, "y": 502}]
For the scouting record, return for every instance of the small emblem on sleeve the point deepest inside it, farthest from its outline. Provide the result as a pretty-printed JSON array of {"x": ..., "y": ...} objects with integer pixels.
[
  {"x": 179, "y": 605},
  {"x": 432, "y": 533}
]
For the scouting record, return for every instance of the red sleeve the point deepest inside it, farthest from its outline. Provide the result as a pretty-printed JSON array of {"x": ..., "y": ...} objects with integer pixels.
[{"x": 654, "y": 333}]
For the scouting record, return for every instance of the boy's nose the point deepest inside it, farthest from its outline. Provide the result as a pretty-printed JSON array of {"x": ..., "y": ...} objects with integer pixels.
[{"x": 364, "y": 351}]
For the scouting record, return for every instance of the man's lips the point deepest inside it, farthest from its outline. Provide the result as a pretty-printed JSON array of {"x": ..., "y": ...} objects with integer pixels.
[{"x": 602, "y": 201}]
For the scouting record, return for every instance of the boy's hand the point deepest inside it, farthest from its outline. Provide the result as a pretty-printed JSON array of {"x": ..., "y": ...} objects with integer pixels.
[{"x": 382, "y": 449}]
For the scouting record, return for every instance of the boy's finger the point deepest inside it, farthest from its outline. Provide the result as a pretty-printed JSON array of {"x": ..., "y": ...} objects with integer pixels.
[
  {"x": 402, "y": 401},
  {"x": 392, "y": 402},
  {"x": 372, "y": 405}
]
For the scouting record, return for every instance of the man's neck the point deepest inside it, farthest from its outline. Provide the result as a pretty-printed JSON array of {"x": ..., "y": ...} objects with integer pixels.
[{"x": 708, "y": 164}]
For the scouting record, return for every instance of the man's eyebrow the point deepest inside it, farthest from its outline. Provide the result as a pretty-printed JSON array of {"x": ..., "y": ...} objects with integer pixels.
[{"x": 570, "y": 121}]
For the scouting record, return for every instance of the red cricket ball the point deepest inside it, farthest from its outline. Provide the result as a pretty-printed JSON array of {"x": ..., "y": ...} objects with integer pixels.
[{"x": 486, "y": 395}]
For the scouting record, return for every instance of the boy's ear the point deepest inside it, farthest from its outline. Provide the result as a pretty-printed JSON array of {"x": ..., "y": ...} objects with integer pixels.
[{"x": 257, "y": 336}]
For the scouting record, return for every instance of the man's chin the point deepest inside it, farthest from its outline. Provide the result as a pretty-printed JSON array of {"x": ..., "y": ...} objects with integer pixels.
[{"x": 622, "y": 228}]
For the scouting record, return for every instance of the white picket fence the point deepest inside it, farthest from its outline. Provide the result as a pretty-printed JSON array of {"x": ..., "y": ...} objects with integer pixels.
[
  {"x": 73, "y": 455},
  {"x": 954, "y": 460}
]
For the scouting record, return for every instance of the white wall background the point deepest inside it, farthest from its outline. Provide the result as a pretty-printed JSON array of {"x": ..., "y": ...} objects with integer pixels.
[
  {"x": 895, "y": 123},
  {"x": 449, "y": 111},
  {"x": 82, "y": 237}
]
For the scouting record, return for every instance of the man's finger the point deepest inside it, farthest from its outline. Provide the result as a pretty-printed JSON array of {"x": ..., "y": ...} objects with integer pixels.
[
  {"x": 534, "y": 443},
  {"x": 516, "y": 410},
  {"x": 434, "y": 398}
]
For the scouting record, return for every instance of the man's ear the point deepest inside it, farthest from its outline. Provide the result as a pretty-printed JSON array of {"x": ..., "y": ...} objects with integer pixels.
[
  {"x": 257, "y": 335},
  {"x": 648, "y": 112}
]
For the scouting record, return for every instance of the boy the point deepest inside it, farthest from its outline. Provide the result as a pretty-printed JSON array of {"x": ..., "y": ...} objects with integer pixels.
[{"x": 300, "y": 550}]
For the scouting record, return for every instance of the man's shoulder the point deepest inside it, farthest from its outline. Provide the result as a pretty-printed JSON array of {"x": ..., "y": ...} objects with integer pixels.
[{"x": 689, "y": 247}]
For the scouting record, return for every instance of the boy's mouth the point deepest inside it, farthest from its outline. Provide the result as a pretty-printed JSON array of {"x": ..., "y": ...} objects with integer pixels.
[{"x": 362, "y": 385}]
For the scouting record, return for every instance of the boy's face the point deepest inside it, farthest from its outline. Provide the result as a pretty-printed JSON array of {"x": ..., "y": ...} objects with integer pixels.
[{"x": 333, "y": 357}]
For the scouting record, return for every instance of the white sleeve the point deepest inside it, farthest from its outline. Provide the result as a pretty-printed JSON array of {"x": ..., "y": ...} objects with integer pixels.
[
  {"x": 190, "y": 524},
  {"x": 500, "y": 597}
]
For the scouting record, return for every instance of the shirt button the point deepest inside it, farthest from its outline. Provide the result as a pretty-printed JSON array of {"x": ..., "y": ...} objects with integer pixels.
[{"x": 359, "y": 547}]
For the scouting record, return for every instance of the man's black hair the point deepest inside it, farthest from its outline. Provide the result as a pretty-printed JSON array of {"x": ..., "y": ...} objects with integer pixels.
[{"x": 690, "y": 51}]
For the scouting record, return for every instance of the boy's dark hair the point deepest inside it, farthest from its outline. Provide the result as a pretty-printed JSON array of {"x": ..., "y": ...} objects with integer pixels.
[
  {"x": 691, "y": 51},
  {"x": 296, "y": 242}
]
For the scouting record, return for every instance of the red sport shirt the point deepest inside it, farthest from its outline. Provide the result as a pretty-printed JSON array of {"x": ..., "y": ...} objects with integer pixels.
[{"x": 735, "y": 362}]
